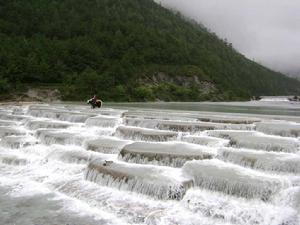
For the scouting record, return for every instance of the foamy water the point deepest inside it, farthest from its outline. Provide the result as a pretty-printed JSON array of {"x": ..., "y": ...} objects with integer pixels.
[{"x": 68, "y": 164}]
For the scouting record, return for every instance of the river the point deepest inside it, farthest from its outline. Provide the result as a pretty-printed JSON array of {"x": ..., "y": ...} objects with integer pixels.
[{"x": 150, "y": 163}]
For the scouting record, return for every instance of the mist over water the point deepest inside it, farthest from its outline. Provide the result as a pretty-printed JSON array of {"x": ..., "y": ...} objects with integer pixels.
[
  {"x": 265, "y": 31},
  {"x": 164, "y": 163}
]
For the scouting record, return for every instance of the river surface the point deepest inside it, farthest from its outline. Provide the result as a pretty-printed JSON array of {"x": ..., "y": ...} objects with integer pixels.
[{"x": 150, "y": 163}]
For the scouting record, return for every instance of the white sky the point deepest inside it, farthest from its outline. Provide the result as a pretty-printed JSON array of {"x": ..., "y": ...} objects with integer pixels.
[{"x": 267, "y": 31}]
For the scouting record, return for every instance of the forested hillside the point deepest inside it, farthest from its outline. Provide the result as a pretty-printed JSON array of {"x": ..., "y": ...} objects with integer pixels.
[{"x": 123, "y": 50}]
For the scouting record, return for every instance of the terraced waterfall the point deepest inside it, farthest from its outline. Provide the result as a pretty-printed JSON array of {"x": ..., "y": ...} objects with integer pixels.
[{"x": 68, "y": 164}]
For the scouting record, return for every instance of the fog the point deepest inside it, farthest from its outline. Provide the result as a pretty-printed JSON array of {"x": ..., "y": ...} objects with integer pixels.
[{"x": 267, "y": 31}]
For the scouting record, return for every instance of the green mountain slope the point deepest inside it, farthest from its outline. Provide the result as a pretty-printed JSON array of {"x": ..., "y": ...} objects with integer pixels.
[{"x": 123, "y": 50}]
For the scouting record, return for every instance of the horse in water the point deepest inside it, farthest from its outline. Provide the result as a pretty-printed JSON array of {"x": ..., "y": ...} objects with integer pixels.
[{"x": 95, "y": 104}]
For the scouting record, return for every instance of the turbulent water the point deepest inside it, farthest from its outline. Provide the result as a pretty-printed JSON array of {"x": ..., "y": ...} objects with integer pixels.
[{"x": 68, "y": 164}]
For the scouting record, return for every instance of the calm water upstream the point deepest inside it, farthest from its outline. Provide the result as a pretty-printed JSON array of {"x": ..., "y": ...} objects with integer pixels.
[{"x": 253, "y": 107}]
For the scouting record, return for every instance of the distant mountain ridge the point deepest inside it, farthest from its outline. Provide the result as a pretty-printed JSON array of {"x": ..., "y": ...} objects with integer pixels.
[{"x": 124, "y": 50}]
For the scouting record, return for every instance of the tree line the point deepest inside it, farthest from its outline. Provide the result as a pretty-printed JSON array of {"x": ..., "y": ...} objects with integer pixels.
[{"x": 106, "y": 46}]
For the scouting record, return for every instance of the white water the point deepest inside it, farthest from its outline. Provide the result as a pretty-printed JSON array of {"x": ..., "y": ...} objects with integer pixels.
[{"x": 68, "y": 164}]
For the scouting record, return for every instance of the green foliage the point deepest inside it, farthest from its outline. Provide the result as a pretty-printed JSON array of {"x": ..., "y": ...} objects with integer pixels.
[
  {"x": 108, "y": 46},
  {"x": 4, "y": 86},
  {"x": 119, "y": 93},
  {"x": 144, "y": 93},
  {"x": 175, "y": 70}
]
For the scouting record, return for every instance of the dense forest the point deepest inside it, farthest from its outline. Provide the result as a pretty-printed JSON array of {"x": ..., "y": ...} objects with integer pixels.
[{"x": 123, "y": 50}]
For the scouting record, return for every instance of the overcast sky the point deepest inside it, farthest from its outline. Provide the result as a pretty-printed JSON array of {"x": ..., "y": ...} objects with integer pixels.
[{"x": 267, "y": 31}]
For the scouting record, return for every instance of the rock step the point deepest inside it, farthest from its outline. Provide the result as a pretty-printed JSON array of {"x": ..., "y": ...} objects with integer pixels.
[
  {"x": 12, "y": 159},
  {"x": 73, "y": 117},
  {"x": 270, "y": 161},
  {"x": 9, "y": 131},
  {"x": 281, "y": 128},
  {"x": 77, "y": 155},
  {"x": 173, "y": 154},
  {"x": 257, "y": 140},
  {"x": 235, "y": 180},
  {"x": 6, "y": 123},
  {"x": 37, "y": 124},
  {"x": 144, "y": 134},
  {"x": 110, "y": 112},
  {"x": 50, "y": 137},
  {"x": 18, "y": 111},
  {"x": 18, "y": 118},
  {"x": 158, "y": 182},
  {"x": 227, "y": 119},
  {"x": 159, "y": 115},
  {"x": 183, "y": 126},
  {"x": 199, "y": 116},
  {"x": 110, "y": 145},
  {"x": 103, "y": 121},
  {"x": 18, "y": 141},
  {"x": 205, "y": 140}
]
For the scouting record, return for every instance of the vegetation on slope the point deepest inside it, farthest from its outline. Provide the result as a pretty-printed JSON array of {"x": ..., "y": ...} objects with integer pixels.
[{"x": 119, "y": 49}]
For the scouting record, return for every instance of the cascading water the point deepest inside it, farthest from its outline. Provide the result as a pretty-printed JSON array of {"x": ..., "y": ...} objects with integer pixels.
[
  {"x": 271, "y": 161},
  {"x": 174, "y": 154},
  {"x": 258, "y": 141},
  {"x": 68, "y": 164},
  {"x": 136, "y": 133}
]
